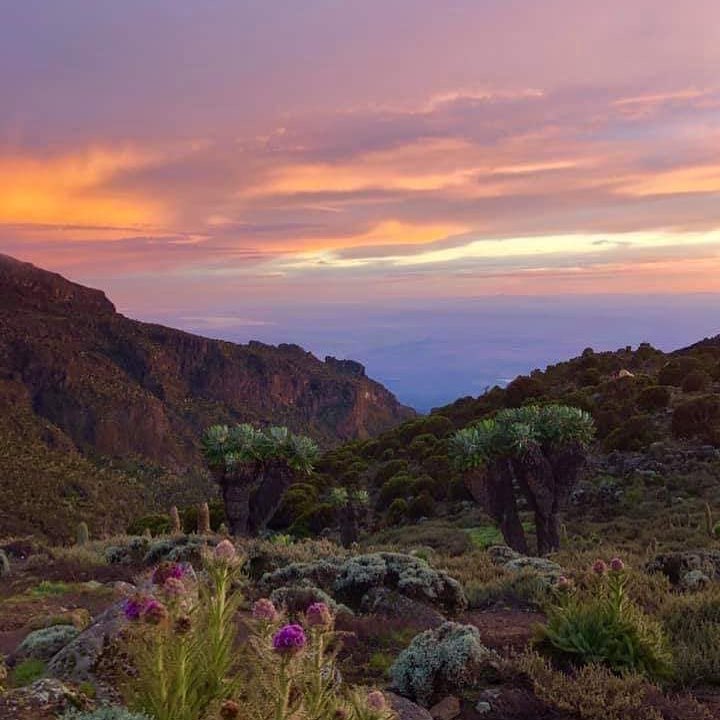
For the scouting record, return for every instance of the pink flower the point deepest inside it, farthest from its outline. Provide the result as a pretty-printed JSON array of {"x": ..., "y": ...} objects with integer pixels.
[
  {"x": 167, "y": 570},
  {"x": 563, "y": 583},
  {"x": 173, "y": 587},
  {"x": 289, "y": 639},
  {"x": 599, "y": 567},
  {"x": 376, "y": 701},
  {"x": 155, "y": 612},
  {"x": 225, "y": 551},
  {"x": 318, "y": 615},
  {"x": 264, "y": 609},
  {"x": 134, "y": 607},
  {"x": 617, "y": 565}
]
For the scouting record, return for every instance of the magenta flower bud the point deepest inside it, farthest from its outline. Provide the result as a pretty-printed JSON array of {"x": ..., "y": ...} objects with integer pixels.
[
  {"x": 376, "y": 701},
  {"x": 225, "y": 551},
  {"x": 264, "y": 609},
  {"x": 318, "y": 615},
  {"x": 599, "y": 567},
  {"x": 155, "y": 612},
  {"x": 167, "y": 570},
  {"x": 289, "y": 639},
  {"x": 617, "y": 565},
  {"x": 563, "y": 583}
]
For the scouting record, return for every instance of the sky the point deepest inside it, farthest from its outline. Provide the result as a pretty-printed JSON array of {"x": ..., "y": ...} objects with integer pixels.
[{"x": 451, "y": 192}]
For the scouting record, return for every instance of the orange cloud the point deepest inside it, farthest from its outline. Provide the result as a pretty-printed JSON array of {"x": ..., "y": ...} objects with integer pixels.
[
  {"x": 69, "y": 190},
  {"x": 704, "y": 178}
]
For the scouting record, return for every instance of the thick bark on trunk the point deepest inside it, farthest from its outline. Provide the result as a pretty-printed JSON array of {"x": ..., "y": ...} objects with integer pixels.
[
  {"x": 493, "y": 489},
  {"x": 236, "y": 497},
  {"x": 349, "y": 526},
  {"x": 265, "y": 501},
  {"x": 547, "y": 529}
]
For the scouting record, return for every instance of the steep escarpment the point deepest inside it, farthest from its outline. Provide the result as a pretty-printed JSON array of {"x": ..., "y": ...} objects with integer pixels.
[{"x": 79, "y": 379}]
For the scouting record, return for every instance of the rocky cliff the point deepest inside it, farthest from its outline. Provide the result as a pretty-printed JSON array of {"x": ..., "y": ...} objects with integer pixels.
[{"x": 79, "y": 378}]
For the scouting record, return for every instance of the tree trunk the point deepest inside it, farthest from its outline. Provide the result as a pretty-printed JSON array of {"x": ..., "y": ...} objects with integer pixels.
[
  {"x": 492, "y": 488},
  {"x": 274, "y": 479},
  {"x": 349, "y": 526},
  {"x": 547, "y": 528},
  {"x": 236, "y": 496}
]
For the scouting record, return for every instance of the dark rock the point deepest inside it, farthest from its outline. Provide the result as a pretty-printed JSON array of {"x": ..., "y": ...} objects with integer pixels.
[{"x": 407, "y": 709}]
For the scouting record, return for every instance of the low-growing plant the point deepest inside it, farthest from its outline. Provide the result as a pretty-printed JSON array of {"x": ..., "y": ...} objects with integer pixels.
[
  {"x": 105, "y": 713},
  {"x": 601, "y": 625},
  {"x": 442, "y": 661},
  {"x": 28, "y": 671}
]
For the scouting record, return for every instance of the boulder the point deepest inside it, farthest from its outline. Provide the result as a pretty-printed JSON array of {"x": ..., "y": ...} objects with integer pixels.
[
  {"x": 406, "y": 709},
  {"x": 44, "y": 643},
  {"x": 447, "y": 709},
  {"x": 677, "y": 565}
]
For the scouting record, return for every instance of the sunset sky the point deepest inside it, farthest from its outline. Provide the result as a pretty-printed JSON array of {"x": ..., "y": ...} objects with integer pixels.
[{"x": 360, "y": 175}]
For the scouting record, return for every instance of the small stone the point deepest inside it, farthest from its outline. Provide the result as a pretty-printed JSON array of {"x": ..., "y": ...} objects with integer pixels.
[
  {"x": 447, "y": 709},
  {"x": 483, "y": 707}
]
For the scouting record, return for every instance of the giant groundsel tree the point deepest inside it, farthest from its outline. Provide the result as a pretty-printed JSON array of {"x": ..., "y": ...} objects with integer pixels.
[
  {"x": 536, "y": 450},
  {"x": 254, "y": 468}
]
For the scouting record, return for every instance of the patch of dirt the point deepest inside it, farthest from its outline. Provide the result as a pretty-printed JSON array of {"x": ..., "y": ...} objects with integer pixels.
[{"x": 501, "y": 629}]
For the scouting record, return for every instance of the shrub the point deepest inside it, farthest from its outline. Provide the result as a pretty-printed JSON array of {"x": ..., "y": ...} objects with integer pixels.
[
  {"x": 399, "y": 486},
  {"x": 349, "y": 580},
  {"x": 105, "y": 713},
  {"x": 675, "y": 371},
  {"x": 28, "y": 671},
  {"x": 593, "y": 692},
  {"x": 396, "y": 511},
  {"x": 442, "y": 661},
  {"x": 421, "y": 506},
  {"x": 653, "y": 398},
  {"x": 44, "y": 643},
  {"x": 695, "y": 381},
  {"x": 522, "y": 389},
  {"x": 635, "y": 433},
  {"x": 699, "y": 417},
  {"x": 435, "y": 487},
  {"x": 158, "y": 524},
  {"x": 299, "y": 499},
  {"x": 603, "y": 626},
  {"x": 693, "y": 624},
  {"x": 314, "y": 522},
  {"x": 388, "y": 469}
]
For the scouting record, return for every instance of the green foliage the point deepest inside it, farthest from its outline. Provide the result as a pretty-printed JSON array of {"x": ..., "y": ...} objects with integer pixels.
[
  {"x": 696, "y": 381},
  {"x": 699, "y": 417},
  {"x": 398, "y": 486},
  {"x": 604, "y": 626},
  {"x": 28, "y": 671},
  {"x": 388, "y": 470},
  {"x": 47, "y": 588},
  {"x": 421, "y": 506},
  {"x": 157, "y": 523},
  {"x": 522, "y": 389},
  {"x": 314, "y": 521},
  {"x": 635, "y": 433},
  {"x": 442, "y": 661},
  {"x": 675, "y": 371},
  {"x": 225, "y": 447},
  {"x": 693, "y": 625},
  {"x": 512, "y": 431},
  {"x": 396, "y": 512},
  {"x": 653, "y": 398}
]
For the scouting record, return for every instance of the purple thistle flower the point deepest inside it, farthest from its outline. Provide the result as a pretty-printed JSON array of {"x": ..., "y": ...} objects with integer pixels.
[
  {"x": 264, "y": 609},
  {"x": 167, "y": 570},
  {"x": 289, "y": 639},
  {"x": 617, "y": 565},
  {"x": 318, "y": 615},
  {"x": 155, "y": 612},
  {"x": 563, "y": 583},
  {"x": 173, "y": 587},
  {"x": 599, "y": 567},
  {"x": 135, "y": 606},
  {"x": 225, "y": 551}
]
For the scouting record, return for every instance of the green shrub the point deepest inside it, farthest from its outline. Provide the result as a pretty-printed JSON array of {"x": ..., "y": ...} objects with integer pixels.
[
  {"x": 388, "y": 470},
  {"x": 675, "y": 371},
  {"x": 653, "y": 398},
  {"x": 398, "y": 486},
  {"x": 314, "y": 522},
  {"x": 522, "y": 389},
  {"x": 28, "y": 671},
  {"x": 442, "y": 661},
  {"x": 397, "y": 511},
  {"x": 693, "y": 625},
  {"x": 157, "y": 524},
  {"x": 699, "y": 417},
  {"x": 421, "y": 506},
  {"x": 299, "y": 499},
  {"x": 635, "y": 433},
  {"x": 602, "y": 625},
  {"x": 429, "y": 485},
  {"x": 4, "y": 564}
]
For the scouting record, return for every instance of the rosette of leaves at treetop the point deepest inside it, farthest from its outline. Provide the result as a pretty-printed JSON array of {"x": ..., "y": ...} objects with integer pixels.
[
  {"x": 254, "y": 467},
  {"x": 539, "y": 450}
]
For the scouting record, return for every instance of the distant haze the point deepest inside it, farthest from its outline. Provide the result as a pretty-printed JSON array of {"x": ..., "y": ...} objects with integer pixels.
[{"x": 431, "y": 354}]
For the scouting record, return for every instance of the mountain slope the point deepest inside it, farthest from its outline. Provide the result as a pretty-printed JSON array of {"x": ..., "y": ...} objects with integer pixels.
[{"x": 78, "y": 380}]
